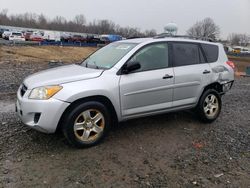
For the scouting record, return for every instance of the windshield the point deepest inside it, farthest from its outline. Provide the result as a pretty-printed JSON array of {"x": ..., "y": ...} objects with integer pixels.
[{"x": 108, "y": 56}]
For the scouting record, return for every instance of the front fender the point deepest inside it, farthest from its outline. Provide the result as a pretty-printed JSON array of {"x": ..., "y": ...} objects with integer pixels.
[{"x": 107, "y": 86}]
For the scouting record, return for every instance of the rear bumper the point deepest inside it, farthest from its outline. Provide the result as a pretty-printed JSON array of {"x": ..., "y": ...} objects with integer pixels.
[
  {"x": 227, "y": 86},
  {"x": 41, "y": 115}
]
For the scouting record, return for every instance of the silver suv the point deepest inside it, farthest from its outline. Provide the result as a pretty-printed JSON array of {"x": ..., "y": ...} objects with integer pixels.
[{"x": 125, "y": 80}]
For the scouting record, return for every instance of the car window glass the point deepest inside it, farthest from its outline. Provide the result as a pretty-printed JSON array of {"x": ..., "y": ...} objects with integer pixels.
[
  {"x": 185, "y": 54},
  {"x": 109, "y": 55},
  {"x": 202, "y": 58},
  {"x": 154, "y": 56},
  {"x": 211, "y": 52}
]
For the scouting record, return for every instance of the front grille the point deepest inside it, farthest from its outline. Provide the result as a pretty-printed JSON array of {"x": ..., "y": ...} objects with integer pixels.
[{"x": 23, "y": 90}]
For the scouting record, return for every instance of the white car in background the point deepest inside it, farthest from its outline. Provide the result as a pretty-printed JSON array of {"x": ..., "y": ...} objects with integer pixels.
[
  {"x": 16, "y": 36},
  {"x": 6, "y": 35},
  {"x": 245, "y": 51},
  {"x": 52, "y": 36}
]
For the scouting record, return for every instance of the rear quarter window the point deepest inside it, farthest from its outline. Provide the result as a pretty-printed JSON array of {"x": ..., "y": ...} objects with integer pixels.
[{"x": 211, "y": 52}]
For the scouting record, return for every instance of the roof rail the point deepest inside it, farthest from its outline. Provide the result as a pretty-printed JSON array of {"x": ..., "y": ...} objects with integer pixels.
[{"x": 164, "y": 35}]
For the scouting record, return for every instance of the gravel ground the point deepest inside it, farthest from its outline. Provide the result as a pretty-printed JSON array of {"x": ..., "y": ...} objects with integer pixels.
[{"x": 171, "y": 150}]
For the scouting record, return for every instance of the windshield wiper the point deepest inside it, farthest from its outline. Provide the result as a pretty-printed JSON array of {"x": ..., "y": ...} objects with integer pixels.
[
  {"x": 96, "y": 66},
  {"x": 92, "y": 63}
]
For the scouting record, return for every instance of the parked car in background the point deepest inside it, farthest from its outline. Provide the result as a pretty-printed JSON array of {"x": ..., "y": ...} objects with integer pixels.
[
  {"x": 93, "y": 39},
  {"x": 66, "y": 37},
  {"x": 6, "y": 35},
  {"x": 245, "y": 51},
  {"x": 240, "y": 50},
  {"x": 2, "y": 30},
  {"x": 228, "y": 49},
  {"x": 237, "y": 49},
  {"x": 126, "y": 80},
  {"x": 51, "y": 36},
  {"x": 78, "y": 38},
  {"x": 106, "y": 39},
  {"x": 114, "y": 38},
  {"x": 16, "y": 36},
  {"x": 36, "y": 36},
  {"x": 27, "y": 35}
]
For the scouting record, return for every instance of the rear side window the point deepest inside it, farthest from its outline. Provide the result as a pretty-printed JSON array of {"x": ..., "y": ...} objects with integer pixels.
[
  {"x": 211, "y": 52},
  {"x": 185, "y": 54}
]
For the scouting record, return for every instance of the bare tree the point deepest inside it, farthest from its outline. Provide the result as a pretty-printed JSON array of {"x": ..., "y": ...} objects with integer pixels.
[
  {"x": 244, "y": 39},
  {"x": 43, "y": 21},
  {"x": 80, "y": 19},
  {"x": 3, "y": 16},
  {"x": 150, "y": 33},
  {"x": 234, "y": 39},
  {"x": 205, "y": 29},
  {"x": 239, "y": 39}
]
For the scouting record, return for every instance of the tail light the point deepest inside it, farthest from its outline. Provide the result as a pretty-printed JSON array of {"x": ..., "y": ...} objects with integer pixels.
[{"x": 231, "y": 64}]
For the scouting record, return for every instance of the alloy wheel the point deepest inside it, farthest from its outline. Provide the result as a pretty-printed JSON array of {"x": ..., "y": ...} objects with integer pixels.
[
  {"x": 211, "y": 106},
  {"x": 89, "y": 125}
]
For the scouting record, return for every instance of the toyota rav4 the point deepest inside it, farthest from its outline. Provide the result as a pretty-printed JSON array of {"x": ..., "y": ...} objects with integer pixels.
[{"x": 125, "y": 80}]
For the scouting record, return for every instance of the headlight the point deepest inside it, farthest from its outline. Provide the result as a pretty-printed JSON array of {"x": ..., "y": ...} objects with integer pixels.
[{"x": 45, "y": 92}]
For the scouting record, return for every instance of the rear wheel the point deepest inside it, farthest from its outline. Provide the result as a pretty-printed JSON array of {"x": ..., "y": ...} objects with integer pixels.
[
  {"x": 86, "y": 124},
  {"x": 209, "y": 106}
]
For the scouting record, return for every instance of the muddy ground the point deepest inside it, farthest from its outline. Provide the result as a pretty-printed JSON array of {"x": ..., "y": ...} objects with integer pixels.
[{"x": 171, "y": 150}]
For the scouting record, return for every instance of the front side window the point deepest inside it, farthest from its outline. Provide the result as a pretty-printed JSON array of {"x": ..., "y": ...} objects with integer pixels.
[
  {"x": 108, "y": 56},
  {"x": 185, "y": 54},
  {"x": 153, "y": 56}
]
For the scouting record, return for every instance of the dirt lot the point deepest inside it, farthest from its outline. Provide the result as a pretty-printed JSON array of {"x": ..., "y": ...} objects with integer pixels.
[
  {"x": 171, "y": 150},
  {"x": 44, "y": 53}
]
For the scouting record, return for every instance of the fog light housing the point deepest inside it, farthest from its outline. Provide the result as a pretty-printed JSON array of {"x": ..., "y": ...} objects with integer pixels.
[{"x": 37, "y": 117}]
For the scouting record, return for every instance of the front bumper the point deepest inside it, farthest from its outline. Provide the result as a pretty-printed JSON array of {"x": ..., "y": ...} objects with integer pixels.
[{"x": 41, "y": 115}]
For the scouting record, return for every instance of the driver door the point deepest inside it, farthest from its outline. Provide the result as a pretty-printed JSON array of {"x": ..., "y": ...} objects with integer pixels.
[{"x": 150, "y": 88}]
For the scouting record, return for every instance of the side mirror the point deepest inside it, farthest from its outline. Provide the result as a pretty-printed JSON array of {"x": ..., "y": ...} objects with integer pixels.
[{"x": 131, "y": 66}]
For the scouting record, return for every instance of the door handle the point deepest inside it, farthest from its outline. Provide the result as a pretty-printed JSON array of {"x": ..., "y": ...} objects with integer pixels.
[
  {"x": 206, "y": 72},
  {"x": 167, "y": 76}
]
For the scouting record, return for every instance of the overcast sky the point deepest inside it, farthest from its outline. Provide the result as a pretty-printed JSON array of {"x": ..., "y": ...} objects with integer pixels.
[{"x": 230, "y": 15}]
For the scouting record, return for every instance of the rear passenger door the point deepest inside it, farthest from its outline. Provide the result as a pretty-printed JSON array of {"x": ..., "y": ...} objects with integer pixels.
[{"x": 191, "y": 72}]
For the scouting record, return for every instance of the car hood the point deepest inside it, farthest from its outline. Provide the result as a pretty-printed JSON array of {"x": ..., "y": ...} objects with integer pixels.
[{"x": 60, "y": 75}]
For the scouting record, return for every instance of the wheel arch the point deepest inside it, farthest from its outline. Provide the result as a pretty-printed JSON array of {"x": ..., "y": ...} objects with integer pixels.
[
  {"x": 216, "y": 86},
  {"x": 97, "y": 98},
  {"x": 200, "y": 108}
]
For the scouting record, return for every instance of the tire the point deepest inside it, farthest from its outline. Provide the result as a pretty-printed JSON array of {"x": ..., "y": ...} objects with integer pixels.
[
  {"x": 209, "y": 106},
  {"x": 86, "y": 124}
]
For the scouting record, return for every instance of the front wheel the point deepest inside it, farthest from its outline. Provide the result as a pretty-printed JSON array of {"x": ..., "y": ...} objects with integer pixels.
[
  {"x": 209, "y": 106},
  {"x": 86, "y": 124}
]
